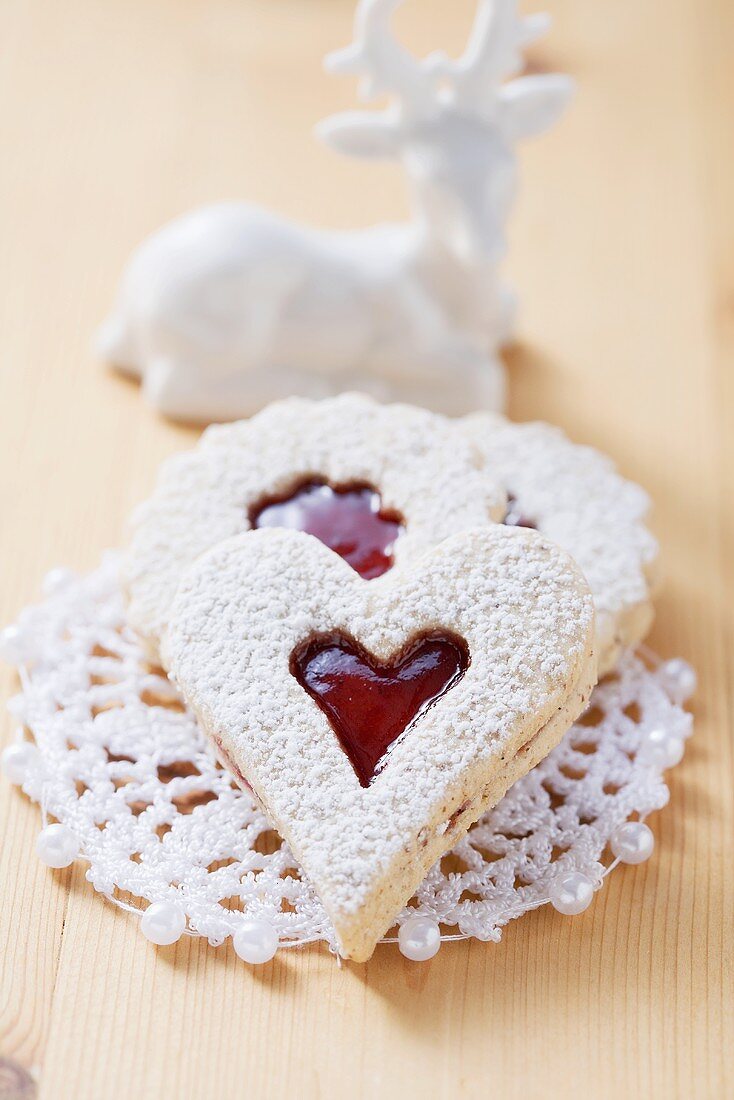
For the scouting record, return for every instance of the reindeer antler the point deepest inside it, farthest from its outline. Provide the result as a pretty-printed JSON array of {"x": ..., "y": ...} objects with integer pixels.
[
  {"x": 476, "y": 82},
  {"x": 386, "y": 65},
  {"x": 494, "y": 49}
]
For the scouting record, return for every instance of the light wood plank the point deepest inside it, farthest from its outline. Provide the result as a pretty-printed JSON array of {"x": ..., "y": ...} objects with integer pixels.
[{"x": 116, "y": 116}]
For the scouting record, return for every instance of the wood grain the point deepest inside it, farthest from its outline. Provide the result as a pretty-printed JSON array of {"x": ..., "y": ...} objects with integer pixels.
[{"x": 115, "y": 116}]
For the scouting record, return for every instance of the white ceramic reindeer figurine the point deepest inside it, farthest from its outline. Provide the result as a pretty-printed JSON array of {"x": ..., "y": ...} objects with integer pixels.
[{"x": 230, "y": 307}]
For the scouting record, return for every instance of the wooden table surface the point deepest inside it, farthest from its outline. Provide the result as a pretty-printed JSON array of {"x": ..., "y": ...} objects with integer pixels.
[{"x": 115, "y": 116}]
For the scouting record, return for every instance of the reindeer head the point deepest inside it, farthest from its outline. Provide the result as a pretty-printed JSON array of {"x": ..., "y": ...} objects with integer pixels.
[{"x": 452, "y": 122}]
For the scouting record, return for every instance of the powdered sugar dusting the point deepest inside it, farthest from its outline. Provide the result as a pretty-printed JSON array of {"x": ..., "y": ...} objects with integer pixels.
[
  {"x": 412, "y": 457},
  {"x": 574, "y": 495},
  {"x": 122, "y": 763},
  {"x": 518, "y": 601}
]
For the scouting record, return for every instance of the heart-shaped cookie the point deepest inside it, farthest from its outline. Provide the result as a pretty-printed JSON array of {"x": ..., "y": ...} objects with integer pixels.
[
  {"x": 377, "y": 483},
  {"x": 253, "y": 617}
]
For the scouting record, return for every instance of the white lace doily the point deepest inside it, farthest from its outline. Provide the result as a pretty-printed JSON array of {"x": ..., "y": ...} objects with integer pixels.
[{"x": 121, "y": 762}]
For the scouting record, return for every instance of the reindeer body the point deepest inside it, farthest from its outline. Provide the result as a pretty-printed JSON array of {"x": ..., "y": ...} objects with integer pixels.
[{"x": 230, "y": 307}]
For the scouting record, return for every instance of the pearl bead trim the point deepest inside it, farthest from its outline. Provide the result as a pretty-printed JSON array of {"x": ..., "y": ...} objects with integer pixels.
[{"x": 85, "y": 676}]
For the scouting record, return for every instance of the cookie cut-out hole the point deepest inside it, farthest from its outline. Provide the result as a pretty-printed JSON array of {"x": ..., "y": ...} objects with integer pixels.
[
  {"x": 349, "y": 519},
  {"x": 371, "y": 703}
]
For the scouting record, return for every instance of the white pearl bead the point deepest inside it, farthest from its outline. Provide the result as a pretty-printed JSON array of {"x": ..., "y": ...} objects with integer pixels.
[
  {"x": 12, "y": 649},
  {"x": 163, "y": 923},
  {"x": 19, "y": 760},
  {"x": 57, "y": 846},
  {"x": 571, "y": 893},
  {"x": 419, "y": 938},
  {"x": 55, "y": 580},
  {"x": 665, "y": 748},
  {"x": 632, "y": 842},
  {"x": 678, "y": 678},
  {"x": 255, "y": 941}
]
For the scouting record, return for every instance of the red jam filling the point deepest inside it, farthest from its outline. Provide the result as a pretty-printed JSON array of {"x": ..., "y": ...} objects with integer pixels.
[
  {"x": 514, "y": 517},
  {"x": 370, "y": 703},
  {"x": 348, "y": 519}
]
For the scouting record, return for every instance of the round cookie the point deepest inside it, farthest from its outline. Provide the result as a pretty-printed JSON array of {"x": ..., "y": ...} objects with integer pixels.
[
  {"x": 574, "y": 495},
  {"x": 429, "y": 480}
]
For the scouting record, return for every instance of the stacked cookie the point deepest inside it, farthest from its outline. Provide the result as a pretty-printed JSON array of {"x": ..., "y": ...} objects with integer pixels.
[{"x": 383, "y": 618}]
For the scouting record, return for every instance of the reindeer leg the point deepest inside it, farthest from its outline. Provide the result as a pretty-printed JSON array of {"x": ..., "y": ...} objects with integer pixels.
[
  {"x": 188, "y": 391},
  {"x": 114, "y": 343},
  {"x": 172, "y": 388}
]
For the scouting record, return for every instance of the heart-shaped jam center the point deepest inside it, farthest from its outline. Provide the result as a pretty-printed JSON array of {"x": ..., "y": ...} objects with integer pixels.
[
  {"x": 348, "y": 519},
  {"x": 370, "y": 703}
]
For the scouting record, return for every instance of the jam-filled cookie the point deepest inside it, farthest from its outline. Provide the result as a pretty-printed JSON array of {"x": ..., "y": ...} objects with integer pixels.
[
  {"x": 376, "y": 722},
  {"x": 378, "y": 484},
  {"x": 574, "y": 495}
]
